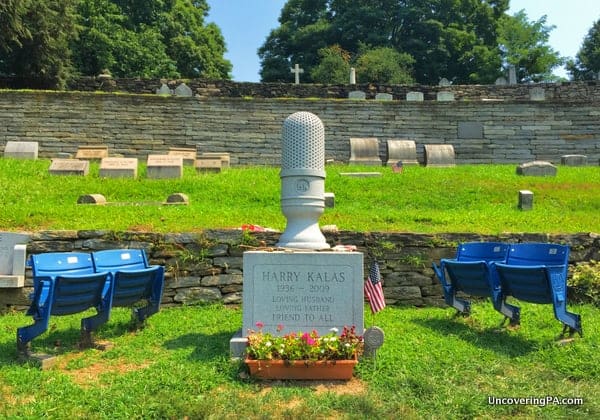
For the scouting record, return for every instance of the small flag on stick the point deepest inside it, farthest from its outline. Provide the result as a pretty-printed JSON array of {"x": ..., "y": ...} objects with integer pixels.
[{"x": 374, "y": 290}]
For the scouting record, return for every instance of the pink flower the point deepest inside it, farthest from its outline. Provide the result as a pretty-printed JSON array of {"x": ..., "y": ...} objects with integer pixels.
[
  {"x": 279, "y": 327},
  {"x": 259, "y": 324},
  {"x": 308, "y": 339}
]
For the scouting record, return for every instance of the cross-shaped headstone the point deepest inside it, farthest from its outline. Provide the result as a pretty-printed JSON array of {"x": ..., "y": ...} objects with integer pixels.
[{"x": 296, "y": 70}]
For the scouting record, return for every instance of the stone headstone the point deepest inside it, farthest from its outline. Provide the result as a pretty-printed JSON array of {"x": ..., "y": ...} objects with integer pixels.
[
  {"x": 164, "y": 167},
  {"x": 444, "y": 82},
  {"x": 21, "y": 150},
  {"x": 303, "y": 291},
  {"x": 69, "y": 167},
  {"x": 188, "y": 154},
  {"x": 439, "y": 155},
  {"x": 404, "y": 151},
  {"x": 445, "y": 96},
  {"x": 329, "y": 200},
  {"x": 184, "y": 91},
  {"x": 91, "y": 152},
  {"x": 208, "y": 164},
  {"x": 352, "y": 76},
  {"x": 470, "y": 130},
  {"x": 537, "y": 94},
  {"x": 224, "y": 156},
  {"x": 501, "y": 81},
  {"x": 384, "y": 97},
  {"x": 537, "y": 168},
  {"x": 574, "y": 160},
  {"x": 164, "y": 90},
  {"x": 12, "y": 259},
  {"x": 364, "y": 151},
  {"x": 525, "y": 200},
  {"x": 357, "y": 94},
  {"x": 512, "y": 75},
  {"x": 415, "y": 97},
  {"x": 113, "y": 167}
]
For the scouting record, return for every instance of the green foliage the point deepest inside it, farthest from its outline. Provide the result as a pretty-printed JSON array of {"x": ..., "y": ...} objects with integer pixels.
[
  {"x": 453, "y": 39},
  {"x": 525, "y": 45},
  {"x": 585, "y": 279},
  {"x": 11, "y": 23},
  {"x": 465, "y": 198},
  {"x": 178, "y": 366},
  {"x": 36, "y": 49},
  {"x": 587, "y": 62},
  {"x": 333, "y": 67},
  {"x": 384, "y": 65}
]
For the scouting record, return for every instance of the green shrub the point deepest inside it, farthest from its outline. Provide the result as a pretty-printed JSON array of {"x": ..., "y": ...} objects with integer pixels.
[{"x": 585, "y": 282}]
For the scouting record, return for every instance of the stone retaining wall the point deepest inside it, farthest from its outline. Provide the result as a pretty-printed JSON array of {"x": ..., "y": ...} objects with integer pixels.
[
  {"x": 207, "y": 267},
  {"x": 250, "y": 129}
]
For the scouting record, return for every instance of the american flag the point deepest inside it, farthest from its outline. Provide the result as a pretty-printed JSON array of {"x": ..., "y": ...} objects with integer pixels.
[{"x": 373, "y": 289}]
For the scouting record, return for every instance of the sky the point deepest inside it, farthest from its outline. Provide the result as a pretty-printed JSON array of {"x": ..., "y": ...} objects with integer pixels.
[{"x": 245, "y": 24}]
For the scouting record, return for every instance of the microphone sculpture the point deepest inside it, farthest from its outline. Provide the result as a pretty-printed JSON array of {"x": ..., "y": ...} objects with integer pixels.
[{"x": 303, "y": 181}]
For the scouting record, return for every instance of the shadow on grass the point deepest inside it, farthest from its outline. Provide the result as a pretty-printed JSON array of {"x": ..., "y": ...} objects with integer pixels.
[
  {"x": 205, "y": 346},
  {"x": 496, "y": 339}
]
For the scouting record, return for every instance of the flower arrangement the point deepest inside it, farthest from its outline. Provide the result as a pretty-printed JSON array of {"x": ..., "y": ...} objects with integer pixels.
[{"x": 307, "y": 346}]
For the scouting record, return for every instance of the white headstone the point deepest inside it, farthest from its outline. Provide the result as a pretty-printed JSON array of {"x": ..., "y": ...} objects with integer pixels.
[
  {"x": 21, "y": 150},
  {"x": 537, "y": 94},
  {"x": 12, "y": 259},
  {"x": 384, "y": 97},
  {"x": 164, "y": 167},
  {"x": 404, "y": 151},
  {"x": 444, "y": 82},
  {"x": 415, "y": 96},
  {"x": 364, "y": 151},
  {"x": 500, "y": 81},
  {"x": 439, "y": 155},
  {"x": 183, "y": 90},
  {"x": 357, "y": 94},
  {"x": 512, "y": 75},
  {"x": 445, "y": 96},
  {"x": 164, "y": 90},
  {"x": 297, "y": 71},
  {"x": 352, "y": 76}
]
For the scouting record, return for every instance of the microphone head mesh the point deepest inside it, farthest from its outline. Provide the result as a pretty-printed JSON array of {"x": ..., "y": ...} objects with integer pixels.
[{"x": 303, "y": 142}]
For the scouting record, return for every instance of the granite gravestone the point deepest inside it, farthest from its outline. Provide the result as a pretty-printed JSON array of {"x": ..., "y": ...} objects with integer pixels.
[
  {"x": 404, "y": 151},
  {"x": 357, "y": 94},
  {"x": 91, "y": 152},
  {"x": 12, "y": 259},
  {"x": 301, "y": 288},
  {"x": 113, "y": 167},
  {"x": 69, "y": 167},
  {"x": 188, "y": 154},
  {"x": 164, "y": 167},
  {"x": 364, "y": 151},
  {"x": 439, "y": 155},
  {"x": 415, "y": 97},
  {"x": 21, "y": 150}
]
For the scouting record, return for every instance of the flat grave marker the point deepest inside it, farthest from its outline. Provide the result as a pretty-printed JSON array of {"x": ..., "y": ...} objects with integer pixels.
[
  {"x": 188, "y": 154},
  {"x": 164, "y": 167},
  {"x": 69, "y": 167},
  {"x": 113, "y": 167},
  {"x": 92, "y": 152},
  {"x": 208, "y": 164},
  {"x": 21, "y": 150}
]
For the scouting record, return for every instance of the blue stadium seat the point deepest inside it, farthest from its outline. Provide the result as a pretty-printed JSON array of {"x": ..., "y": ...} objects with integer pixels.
[
  {"x": 469, "y": 272},
  {"x": 536, "y": 272},
  {"x": 65, "y": 283},
  {"x": 134, "y": 280}
]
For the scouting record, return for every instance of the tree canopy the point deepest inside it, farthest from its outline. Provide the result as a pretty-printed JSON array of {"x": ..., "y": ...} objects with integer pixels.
[
  {"x": 466, "y": 41},
  {"x": 586, "y": 65},
  {"x": 47, "y": 41}
]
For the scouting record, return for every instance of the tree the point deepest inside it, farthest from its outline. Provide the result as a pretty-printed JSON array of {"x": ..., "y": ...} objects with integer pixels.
[
  {"x": 11, "y": 24},
  {"x": 333, "y": 67},
  {"x": 37, "y": 51},
  {"x": 524, "y": 45},
  {"x": 587, "y": 61},
  {"x": 149, "y": 38},
  {"x": 384, "y": 65},
  {"x": 447, "y": 38}
]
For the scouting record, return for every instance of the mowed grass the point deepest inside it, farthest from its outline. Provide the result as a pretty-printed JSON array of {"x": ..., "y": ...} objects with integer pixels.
[
  {"x": 466, "y": 198},
  {"x": 431, "y": 365}
]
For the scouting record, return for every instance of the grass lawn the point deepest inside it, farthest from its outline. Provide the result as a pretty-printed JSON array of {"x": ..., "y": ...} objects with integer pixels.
[
  {"x": 431, "y": 365},
  {"x": 466, "y": 198}
]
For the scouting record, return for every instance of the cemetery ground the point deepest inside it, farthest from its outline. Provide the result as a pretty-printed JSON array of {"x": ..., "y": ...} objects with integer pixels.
[
  {"x": 465, "y": 198},
  {"x": 432, "y": 365}
]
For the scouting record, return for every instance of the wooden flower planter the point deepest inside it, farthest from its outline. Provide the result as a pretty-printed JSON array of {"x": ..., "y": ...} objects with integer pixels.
[{"x": 300, "y": 369}]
